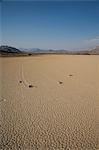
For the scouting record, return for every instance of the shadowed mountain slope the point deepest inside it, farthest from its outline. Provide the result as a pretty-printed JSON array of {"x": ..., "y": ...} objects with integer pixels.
[{"x": 8, "y": 49}]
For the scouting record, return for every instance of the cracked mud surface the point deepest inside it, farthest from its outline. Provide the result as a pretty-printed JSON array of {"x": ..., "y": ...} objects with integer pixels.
[{"x": 51, "y": 116}]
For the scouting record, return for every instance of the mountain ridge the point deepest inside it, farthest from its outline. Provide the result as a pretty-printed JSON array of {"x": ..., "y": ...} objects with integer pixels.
[{"x": 7, "y": 50}]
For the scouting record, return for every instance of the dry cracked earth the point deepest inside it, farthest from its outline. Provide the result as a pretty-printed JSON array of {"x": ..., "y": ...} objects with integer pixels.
[{"x": 49, "y": 102}]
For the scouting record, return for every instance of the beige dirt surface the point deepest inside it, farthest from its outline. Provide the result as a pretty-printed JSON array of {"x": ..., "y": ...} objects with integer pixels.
[{"x": 49, "y": 102}]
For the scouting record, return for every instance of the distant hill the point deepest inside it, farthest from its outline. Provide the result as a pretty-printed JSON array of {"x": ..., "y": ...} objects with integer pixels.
[
  {"x": 9, "y": 50},
  {"x": 95, "y": 51},
  {"x": 30, "y": 49},
  {"x": 67, "y": 52}
]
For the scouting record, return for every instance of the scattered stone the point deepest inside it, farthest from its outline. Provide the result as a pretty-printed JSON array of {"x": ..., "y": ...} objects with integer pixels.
[
  {"x": 70, "y": 75},
  {"x": 60, "y": 82},
  {"x": 31, "y": 86}
]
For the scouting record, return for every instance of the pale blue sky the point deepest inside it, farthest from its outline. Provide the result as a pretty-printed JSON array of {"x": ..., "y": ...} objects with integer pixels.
[{"x": 50, "y": 24}]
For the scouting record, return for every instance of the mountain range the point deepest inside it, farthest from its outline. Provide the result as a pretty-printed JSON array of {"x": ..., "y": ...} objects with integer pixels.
[{"x": 8, "y": 50}]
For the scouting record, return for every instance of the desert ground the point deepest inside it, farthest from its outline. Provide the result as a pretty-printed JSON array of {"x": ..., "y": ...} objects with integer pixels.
[{"x": 60, "y": 109}]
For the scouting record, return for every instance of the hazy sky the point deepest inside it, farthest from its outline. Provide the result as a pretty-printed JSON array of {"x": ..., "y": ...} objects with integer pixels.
[{"x": 50, "y": 24}]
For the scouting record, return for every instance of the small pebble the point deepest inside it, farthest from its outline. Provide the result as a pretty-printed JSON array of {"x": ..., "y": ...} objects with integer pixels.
[
  {"x": 30, "y": 86},
  {"x": 60, "y": 82},
  {"x": 70, "y": 75}
]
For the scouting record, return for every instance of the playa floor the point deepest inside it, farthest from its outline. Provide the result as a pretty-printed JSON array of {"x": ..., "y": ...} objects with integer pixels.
[{"x": 49, "y": 102}]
